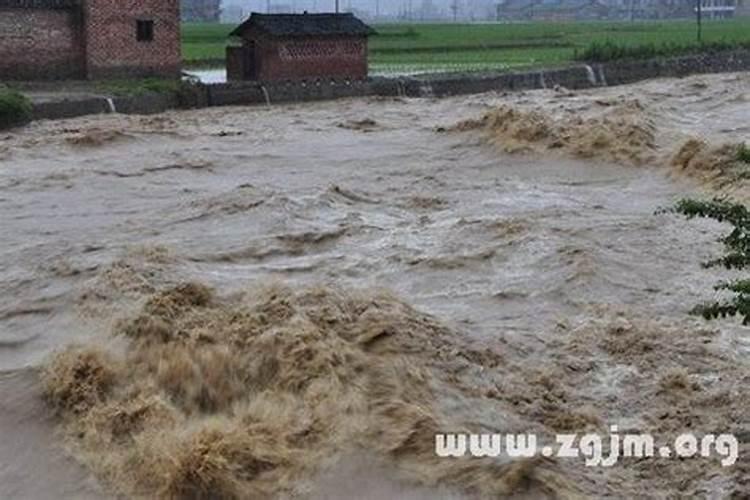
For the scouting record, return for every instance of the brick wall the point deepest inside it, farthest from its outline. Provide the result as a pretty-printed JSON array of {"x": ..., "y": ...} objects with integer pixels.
[
  {"x": 40, "y": 43},
  {"x": 112, "y": 49},
  {"x": 236, "y": 63},
  {"x": 311, "y": 57}
]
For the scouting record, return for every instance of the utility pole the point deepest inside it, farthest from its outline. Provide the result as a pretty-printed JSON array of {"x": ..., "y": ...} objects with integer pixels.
[
  {"x": 337, "y": 6},
  {"x": 699, "y": 17}
]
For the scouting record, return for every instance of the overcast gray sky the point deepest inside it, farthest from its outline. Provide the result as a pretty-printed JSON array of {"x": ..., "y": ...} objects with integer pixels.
[{"x": 478, "y": 9}]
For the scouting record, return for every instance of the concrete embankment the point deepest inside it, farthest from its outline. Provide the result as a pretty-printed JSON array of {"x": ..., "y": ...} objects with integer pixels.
[{"x": 245, "y": 93}]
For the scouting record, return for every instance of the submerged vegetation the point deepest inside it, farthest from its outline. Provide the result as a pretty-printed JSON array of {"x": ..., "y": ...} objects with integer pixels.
[
  {"x": 15, "y": 108},
  {"x": 737, "y": 256}
]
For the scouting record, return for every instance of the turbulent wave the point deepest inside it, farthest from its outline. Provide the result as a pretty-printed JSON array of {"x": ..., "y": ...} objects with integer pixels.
[
  {"x": 716, "y": 166},
  {"x": 248, "y": 396},
  {"x": 263, "y": 392},
  {"x": 97, "y": 137},
  {"x": 621, "y": 134},
  {"x": 562, "y": 297}
]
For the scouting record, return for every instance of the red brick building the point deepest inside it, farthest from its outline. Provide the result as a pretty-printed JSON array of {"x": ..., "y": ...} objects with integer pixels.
[
  {"x": 278, "y": 47},
  {"x": 65, "y": 39}
]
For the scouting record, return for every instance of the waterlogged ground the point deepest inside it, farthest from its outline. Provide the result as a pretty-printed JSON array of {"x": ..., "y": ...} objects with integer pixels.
[
  {"x": 219, "y": 75},
  {"x": 559, "y": 297}
]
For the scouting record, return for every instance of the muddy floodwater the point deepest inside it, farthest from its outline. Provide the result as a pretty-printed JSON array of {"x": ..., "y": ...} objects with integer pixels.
[{"x": 559, "y": 295}]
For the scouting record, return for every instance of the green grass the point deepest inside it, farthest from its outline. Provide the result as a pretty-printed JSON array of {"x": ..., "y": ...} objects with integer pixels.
[
  {"x": 15, "y": 108},
  {"x": 492, "y": 46},
  {"x": 204, "y": 41},
  {"x": 612, "y": 51},
  {"x": 139, "y": 87}
]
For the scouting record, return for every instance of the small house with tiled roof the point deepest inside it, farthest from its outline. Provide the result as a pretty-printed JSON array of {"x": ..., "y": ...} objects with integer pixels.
[{"x": 294, "y": 47}]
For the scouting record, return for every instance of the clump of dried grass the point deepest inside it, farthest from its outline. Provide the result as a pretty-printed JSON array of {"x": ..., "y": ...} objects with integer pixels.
[
  {"x": 243, "y": 397},
  {"x": 622, "y": 134},
  {"x": 718, "y": 166},
  {"x": 175, "y": 301},
  {"x": 95, "y": 137},
  {"x": 79, "y": 378},
  {"x": 677, "y": 381}
]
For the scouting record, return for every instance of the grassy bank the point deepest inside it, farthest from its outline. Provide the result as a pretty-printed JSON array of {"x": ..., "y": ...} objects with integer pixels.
[
  {"x": 138, "y": 87},
  {"x": 612, "y": 51},
  {"x": 493, "y": 46}
]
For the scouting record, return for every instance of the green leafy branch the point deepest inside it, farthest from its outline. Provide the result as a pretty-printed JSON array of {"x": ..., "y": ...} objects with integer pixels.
[{"x": 737, "y": 256}]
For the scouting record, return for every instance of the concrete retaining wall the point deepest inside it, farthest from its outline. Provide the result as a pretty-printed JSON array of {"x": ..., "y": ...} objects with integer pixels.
[
  {"x": 583, "y": 76},
  {"x": 146, "y": 104},
  {"x": 70, "y": 108},
  {"x": 629, "y": 72},
  {"x": 316, "y": 90},
  {"x": 242, "y": 93}
]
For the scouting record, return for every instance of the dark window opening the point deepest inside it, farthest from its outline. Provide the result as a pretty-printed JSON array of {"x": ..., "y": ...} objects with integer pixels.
[{"x": 144, "y": 31}]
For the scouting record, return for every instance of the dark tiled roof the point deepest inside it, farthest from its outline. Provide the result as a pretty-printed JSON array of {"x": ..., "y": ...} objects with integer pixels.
[{"x": 305, "y": 25}]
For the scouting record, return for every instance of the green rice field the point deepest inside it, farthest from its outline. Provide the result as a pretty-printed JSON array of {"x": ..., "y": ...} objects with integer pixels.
[{"x": 406, "y": 48}]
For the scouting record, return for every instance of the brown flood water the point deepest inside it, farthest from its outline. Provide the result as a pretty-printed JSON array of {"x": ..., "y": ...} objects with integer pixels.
[{"x": 567, "y": 294}]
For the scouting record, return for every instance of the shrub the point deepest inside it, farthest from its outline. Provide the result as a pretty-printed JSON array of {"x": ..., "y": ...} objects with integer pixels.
[{"x": 15, "y": 109}]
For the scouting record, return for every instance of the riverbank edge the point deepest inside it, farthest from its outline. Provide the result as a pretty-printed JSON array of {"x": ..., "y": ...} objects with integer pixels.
[{"x": 427, "y": 86}]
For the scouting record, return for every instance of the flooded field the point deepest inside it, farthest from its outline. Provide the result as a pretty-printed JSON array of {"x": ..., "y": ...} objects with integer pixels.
[{"x": 293, "y": 300}]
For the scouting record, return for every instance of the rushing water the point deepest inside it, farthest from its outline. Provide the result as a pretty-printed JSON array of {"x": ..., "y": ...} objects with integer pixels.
[{"x": 504, "y": 247}]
